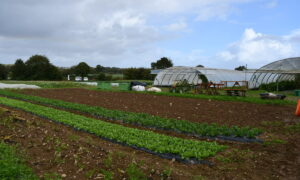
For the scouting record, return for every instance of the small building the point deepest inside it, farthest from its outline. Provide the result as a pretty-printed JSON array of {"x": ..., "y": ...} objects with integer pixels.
[{"x": 79, "y": 78}]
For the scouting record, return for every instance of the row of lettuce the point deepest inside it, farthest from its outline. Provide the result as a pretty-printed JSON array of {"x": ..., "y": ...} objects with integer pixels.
[
  {"x": 142, "y": 119},
  {"x": 158, "y": 143}
]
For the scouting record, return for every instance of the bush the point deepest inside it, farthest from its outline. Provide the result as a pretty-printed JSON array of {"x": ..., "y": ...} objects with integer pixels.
[
  {"x": 3, "y": 72},
  {"x": 283, "y": 85},
  {"x": 297, "y": 81},
  {"x": 104, "y": 77},
  {"x": 138, "y": 74}
]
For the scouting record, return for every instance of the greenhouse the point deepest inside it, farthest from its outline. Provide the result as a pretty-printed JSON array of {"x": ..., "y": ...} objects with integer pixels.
[
  {"x": 282, "y": 70},
  {"x": 169, "y": 76}
]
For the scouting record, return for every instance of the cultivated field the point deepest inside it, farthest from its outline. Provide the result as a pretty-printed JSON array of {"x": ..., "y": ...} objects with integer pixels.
[{"x": 88, "y": 134}]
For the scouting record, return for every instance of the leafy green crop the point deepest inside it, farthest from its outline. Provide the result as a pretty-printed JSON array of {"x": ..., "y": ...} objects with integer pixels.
[
  {"x": 11, "y": 166},
  {"x": 147, "y": 120},
  {"x": 130, "y": 136}
]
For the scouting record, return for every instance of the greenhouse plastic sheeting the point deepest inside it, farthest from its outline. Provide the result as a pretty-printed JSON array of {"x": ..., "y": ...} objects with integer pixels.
[
  {"x": 282, "y": 70},
  {"x": 171, "y": 75}
]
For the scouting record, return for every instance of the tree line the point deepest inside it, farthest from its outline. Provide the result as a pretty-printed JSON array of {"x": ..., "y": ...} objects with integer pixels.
[{"x": 39, "y": 67}]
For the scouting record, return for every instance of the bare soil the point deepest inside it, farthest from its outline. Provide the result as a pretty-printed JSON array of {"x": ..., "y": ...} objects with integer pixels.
[
  {"x": 54, "y": 148},
  {"x": 196, "y": 110}
]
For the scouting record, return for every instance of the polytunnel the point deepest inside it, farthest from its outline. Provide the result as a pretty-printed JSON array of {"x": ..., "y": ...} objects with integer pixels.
[
  {"x": 282, "y": 70},
  {"x": 169, "y": 76}
]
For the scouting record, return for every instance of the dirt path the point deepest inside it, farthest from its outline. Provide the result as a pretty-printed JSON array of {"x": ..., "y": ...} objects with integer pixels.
[{"x": 197, "y": 110}]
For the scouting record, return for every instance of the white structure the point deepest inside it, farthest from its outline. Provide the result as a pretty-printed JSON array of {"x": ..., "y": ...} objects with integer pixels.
[
  {"x": 169, "y": 76},
  {"x": 282, "y": 70},
  {"x": 138, "y": 88},
  {"x": 154, "y": 89},
  {"x": 18, "y": 86},
  {"x": 78, "y": 78}
]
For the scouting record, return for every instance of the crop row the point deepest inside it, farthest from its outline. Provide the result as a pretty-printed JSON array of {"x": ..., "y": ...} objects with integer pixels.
[
  {"x": 133, "y": 137},
  {"x": 146, "y": 120}
]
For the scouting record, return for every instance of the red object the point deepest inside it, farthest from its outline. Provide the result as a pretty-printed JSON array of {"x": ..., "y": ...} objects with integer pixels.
[{"x": 298, "y": 109}]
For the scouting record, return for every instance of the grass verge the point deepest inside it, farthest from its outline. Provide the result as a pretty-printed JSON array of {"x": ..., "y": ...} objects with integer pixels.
[
  {"x": 142, "y": 139},
  {"x": 11, "y": 165},
  {"x": 247, "y": 99}
]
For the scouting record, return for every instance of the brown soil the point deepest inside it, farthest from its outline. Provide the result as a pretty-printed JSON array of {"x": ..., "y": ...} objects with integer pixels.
[
  {"x": 81, "y": 153},
  {"x": 54, "y": 148},
  {"x": 197, "y": 110}
]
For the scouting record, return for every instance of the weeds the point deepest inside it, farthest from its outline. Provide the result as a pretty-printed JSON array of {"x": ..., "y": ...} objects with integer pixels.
[
  {"x": 108, "y": 160},
  {"x": 294, "y": 128},
  {"x": 274, "y": 142},
  {"x": 235, "y": 156},
  {"x": 90, "y": 173},
  {"x": 52, "y": 176},
  {"x": 12, "y": 166},
  {"x": 74, "y": 137},
  {"x": 272, "y": 123},
  {"x": 7, "y": 121},
  {"x": 166, "y": 173},
  {"x": 134, "y": 172},
  {"x": 108, "y": 175}
]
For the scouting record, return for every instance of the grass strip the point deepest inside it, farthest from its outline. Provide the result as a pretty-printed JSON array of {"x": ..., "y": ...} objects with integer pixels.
[
  {"x": 133, "y": 137},
  {"x": 254, "y": 100},
  {"x": 12, "y": 166},
  {"x": 247, "y": 99},
  {"x": 146, "y": 120}
]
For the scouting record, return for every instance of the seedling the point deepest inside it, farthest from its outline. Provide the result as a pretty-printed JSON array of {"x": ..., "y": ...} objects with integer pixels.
[
  {"x": 134, "y": 172},
  {"x": 108, "y": 175}
]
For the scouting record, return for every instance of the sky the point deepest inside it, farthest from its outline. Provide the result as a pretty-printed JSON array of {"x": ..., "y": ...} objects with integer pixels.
[{"x": 134, "y": 33}]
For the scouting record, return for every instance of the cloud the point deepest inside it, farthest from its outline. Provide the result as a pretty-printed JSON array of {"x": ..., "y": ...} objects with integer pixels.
[
  {"x": 257, "y": 49},
  {"x": 180, "y": 25},
  {"x": 111, "y": 33}
]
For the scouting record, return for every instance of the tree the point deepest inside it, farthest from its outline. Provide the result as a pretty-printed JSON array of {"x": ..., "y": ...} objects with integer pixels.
[
  {"x": 162, "y": 63},
  {"x": 240, "y": 68},
  {"x": 3, "y": 72},
  {"x": 38, "y": 67},
  {"x": 82, "y": 69},
  {"x": 99, "y": 69},
  {"x": 138, "y": 74},
  {"x": 18, "y": 70},
  {"x": 200, "y": 65}
]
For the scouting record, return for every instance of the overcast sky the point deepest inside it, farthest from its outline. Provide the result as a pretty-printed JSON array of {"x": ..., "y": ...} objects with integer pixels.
[{"x": 134, "y": 33}]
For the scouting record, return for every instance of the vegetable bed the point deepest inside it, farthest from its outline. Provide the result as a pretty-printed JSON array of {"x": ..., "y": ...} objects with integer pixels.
[
  {"x": 146, "y": 120},
  {"x": 146, "y": 140}
]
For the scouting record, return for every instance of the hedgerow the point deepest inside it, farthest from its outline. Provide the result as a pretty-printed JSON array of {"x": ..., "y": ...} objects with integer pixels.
[
  {"x": 146, "y": 120},
  {"x": 133, "y": 137}
]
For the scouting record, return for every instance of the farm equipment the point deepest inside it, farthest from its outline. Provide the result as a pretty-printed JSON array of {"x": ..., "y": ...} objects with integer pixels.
[
  {"x": 207, "y": 88},
  {"x": 238, "y": 89},
  {"x": 181, "y": 87},
  {"x": 271, "y": 96}
]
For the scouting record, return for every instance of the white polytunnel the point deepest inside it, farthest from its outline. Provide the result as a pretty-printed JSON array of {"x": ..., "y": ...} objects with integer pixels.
[
  {"x": 282, "y": 70},
  {"x": 169, "y": 76}
]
